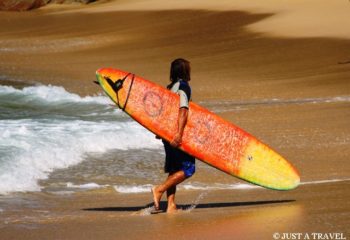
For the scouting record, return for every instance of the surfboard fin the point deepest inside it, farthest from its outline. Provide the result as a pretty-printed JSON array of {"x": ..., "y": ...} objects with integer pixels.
[
  {"x": 116, "y": 86},
  {"x": 96, "y": 82}
]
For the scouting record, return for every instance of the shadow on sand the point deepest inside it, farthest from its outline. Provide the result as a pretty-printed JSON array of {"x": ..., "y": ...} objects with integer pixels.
[{"x": 201, "y": 205}]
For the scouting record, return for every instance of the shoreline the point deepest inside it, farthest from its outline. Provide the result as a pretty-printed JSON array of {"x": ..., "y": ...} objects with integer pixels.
[
  {"x": 256, "y": 64},
  {"x": 246, "y": 214}
]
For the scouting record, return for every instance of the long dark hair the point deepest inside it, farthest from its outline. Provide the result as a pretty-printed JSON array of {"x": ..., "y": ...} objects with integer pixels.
[{"x": 180, "y": 69}]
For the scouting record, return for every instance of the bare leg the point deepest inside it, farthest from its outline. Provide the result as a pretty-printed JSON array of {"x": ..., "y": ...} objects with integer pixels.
[
  {"x": 171, "y": 199},
  {"x": 171, "y": 181}
]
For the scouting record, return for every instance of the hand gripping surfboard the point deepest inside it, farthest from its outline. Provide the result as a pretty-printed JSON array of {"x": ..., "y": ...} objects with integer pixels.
[{"x": 207, "y": 137}]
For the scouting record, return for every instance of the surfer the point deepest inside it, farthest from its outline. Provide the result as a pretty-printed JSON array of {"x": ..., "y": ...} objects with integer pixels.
[{"x": 178, "y": 164}]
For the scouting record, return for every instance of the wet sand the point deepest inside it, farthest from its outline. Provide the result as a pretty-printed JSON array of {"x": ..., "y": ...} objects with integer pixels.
[
  {"x": 242, "y": 214},
  {"x": 231, "y": 61}
]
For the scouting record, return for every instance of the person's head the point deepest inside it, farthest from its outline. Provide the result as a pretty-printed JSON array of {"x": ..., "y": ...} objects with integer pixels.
[{"x": 180, "y": 69}]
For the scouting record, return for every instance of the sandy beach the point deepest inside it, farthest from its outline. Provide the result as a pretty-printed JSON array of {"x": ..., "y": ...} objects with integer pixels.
[
  {"x": 280, "y": 71},
  {"x": 245, "y": 214}
]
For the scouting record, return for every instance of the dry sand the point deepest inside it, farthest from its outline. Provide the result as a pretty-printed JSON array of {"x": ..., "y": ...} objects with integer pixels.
[
  {"x": 57, "y": 46},
  {"x": 290, "y": 51}
]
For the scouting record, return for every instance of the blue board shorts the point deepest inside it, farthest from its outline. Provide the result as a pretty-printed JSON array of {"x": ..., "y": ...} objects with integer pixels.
[{"x": 176, "y": 160}]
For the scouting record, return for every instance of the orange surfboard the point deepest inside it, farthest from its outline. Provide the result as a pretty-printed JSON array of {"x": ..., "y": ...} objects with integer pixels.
[{"x": 207, "y": 137}]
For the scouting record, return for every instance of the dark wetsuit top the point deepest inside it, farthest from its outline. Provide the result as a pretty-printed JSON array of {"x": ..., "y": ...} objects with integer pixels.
[{"x": 175, "y": 159}]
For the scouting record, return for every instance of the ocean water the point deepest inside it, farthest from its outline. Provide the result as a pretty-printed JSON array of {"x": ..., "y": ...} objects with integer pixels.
[
  {"x": 45, "y": 128},
  {"x": 55, "y": 141}
]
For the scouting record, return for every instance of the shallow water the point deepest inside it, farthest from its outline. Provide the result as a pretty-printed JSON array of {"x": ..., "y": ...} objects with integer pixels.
[
  {"x": 79, "y": 158},
  {"x": 45, "y": 128},
  {"x": 58, "y": 142}
]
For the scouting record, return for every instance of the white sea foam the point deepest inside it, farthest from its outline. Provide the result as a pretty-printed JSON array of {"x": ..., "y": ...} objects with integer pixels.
[
  {"x": 47, "y": 94},
  {"x": 205, "y": 187},
  {"x": 133, "y": 188},
  {"x": 62, "y": 193},
  {"x": 325, "y": 181},
  {"x": 237, "y": 105},
  {"x": 217, "y": 186},
  {"x": 86, "y": 186},
  {"x": 196, "y": 201},
  {"x": 32, "y": 146},
  {"x": 35, "y": 149},
  {"x": 146, "y": 211},
  {"x": 187, "y": 186},
  {"x": 43, "y": 128}
]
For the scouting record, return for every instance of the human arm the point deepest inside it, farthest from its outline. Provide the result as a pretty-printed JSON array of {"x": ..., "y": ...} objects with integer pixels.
[{"x": 182, "y": 120}]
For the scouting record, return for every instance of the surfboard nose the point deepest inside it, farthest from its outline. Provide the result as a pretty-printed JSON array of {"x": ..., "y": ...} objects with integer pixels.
[
  {"x": 296, "y": 178},
  {"x": 263, "y": 166},
  {"x": 289, "y": 181}
]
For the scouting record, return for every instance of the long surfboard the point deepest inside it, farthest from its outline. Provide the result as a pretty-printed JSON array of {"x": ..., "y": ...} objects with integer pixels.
[{"x": 206, "y": 136}]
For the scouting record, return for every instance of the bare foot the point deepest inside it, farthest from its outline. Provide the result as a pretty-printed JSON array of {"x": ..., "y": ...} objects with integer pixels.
[
  {"x": 172, "y": 208},
  {"x": 156, "y": 197}
]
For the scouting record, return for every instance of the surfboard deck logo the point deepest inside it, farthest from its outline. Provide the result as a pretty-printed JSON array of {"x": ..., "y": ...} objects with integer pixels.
[{"x": 206, "y": 136}]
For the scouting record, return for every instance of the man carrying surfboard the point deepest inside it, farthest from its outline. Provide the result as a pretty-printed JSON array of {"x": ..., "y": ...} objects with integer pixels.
[
  {"x": 157, "y": 109},
  {"x": 178, "y": 164}
]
